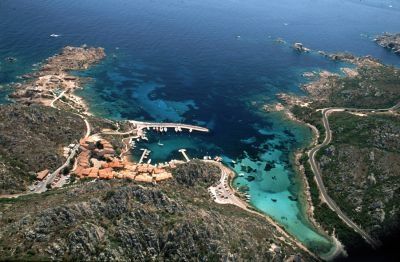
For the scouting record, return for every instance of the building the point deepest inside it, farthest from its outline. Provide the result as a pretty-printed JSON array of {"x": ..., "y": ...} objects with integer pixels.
[{"x": 42, "y": 174}]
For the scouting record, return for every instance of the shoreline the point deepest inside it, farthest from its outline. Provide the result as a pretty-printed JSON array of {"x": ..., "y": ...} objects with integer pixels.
[
  {"x": 306, "y": 207},
  {"x": 249, "y": 208}
]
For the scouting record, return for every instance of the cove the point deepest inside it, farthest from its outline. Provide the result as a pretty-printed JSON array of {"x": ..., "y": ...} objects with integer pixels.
[{"x": 211, "y": 63}]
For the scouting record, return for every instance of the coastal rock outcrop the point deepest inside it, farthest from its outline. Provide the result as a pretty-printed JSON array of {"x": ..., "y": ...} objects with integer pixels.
[
  {"x": 389, "y": 41},
  {"x": 300, "y": 48},
  {"x": 52, "y": 77}
]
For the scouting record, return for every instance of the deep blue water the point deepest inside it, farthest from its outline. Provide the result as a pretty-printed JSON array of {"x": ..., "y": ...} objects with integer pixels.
[{"x": 208, "y": 62}]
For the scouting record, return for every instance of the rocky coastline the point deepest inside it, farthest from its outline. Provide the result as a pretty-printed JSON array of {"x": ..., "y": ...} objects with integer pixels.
[
  {"x": 366, "y": 84},
  {"x": 389, "y": 41},
  {"x": 54, "y": 77}
]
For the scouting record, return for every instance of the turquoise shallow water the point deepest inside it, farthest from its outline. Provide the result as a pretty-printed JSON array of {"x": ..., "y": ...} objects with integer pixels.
[
  {"x": 212, "y": 63},
  {"x": 274, "y": 188}
]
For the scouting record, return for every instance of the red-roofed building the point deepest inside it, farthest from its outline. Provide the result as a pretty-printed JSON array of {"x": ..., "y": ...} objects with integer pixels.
[{"x": 42, "y": 174}]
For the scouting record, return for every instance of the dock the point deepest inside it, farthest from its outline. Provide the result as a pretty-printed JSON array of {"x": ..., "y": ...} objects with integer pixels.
[
  {"x": 183, "y": 151},
  {"x": 164, "y": 126},
  {"x": 144, "y": 155}
]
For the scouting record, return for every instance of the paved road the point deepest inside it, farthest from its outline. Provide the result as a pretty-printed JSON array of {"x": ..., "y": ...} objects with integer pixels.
[
  {"x": 314, "y": 166},
  {"x": 50, "y": 178}
]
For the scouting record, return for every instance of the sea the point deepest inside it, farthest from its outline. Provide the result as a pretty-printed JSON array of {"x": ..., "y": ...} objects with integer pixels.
[{"x": 213, "y": 63}]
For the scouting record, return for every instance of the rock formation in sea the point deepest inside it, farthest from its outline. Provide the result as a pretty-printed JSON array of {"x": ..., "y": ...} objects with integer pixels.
[{"x": 389, "y": 41}]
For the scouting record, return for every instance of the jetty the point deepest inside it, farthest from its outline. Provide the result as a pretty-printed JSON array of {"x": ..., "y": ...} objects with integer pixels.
[
  {"x": 183, "y": 151},
  {"x": 163, "y": 127},
  {"x": 144, "y": 155}
]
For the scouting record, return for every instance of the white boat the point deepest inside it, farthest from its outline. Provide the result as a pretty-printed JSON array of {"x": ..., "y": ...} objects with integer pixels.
[
  {"x": 159, "y": 143},
  {"x": 54, "y": 35}
]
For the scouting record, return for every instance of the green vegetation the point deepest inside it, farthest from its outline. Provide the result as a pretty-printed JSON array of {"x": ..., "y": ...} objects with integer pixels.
[
  {"x": 196, "y": 172},
  {"x": 374, "y": 87},
  {"x": 328, "y": 219},
  {"x": 375, "y": 130},
  {"x": 309, "y": 115},
  {"x": 333, "y": 223},
  {"x": 361, "y": 168}
]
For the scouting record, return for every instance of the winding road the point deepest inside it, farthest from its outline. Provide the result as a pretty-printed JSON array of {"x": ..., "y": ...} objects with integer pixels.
[
  {"x": 50, "y": 178},
  {"x": 317, "y": 172}
]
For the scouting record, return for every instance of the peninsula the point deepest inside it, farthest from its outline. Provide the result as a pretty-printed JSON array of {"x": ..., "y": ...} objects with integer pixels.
[{"x": 389, "y": 41}]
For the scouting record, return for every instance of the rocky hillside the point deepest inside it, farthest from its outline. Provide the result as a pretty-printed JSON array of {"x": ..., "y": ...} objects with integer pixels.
[
  {"x": 369, "y": 85},
  {"x": 361, "y": 169},
  {"x": 196, "y": 172},
  {"x": 31, "y": 139},
  {"x": 120, "y": 220}
]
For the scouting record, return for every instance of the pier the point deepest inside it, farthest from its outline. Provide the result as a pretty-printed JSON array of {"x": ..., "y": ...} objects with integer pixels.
[
  {"x": 144, "y": 155},
  {"x": 183, "y": 151},
  {"x": 165, "y": 126}
]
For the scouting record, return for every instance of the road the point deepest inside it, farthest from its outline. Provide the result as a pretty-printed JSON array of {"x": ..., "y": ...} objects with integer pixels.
[
  {"x": 87, "y": 126},
  {"x": 42, "y": 187},
  {"x": 55, "y": 99},
  {"x": 50, "y": 178},
  {"x": 317, "y": 172}
]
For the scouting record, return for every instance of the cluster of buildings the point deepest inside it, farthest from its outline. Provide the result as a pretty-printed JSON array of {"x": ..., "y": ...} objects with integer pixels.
[
  {"x": 144, "y": 173},
  {"x": 97, "y": 160}
]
